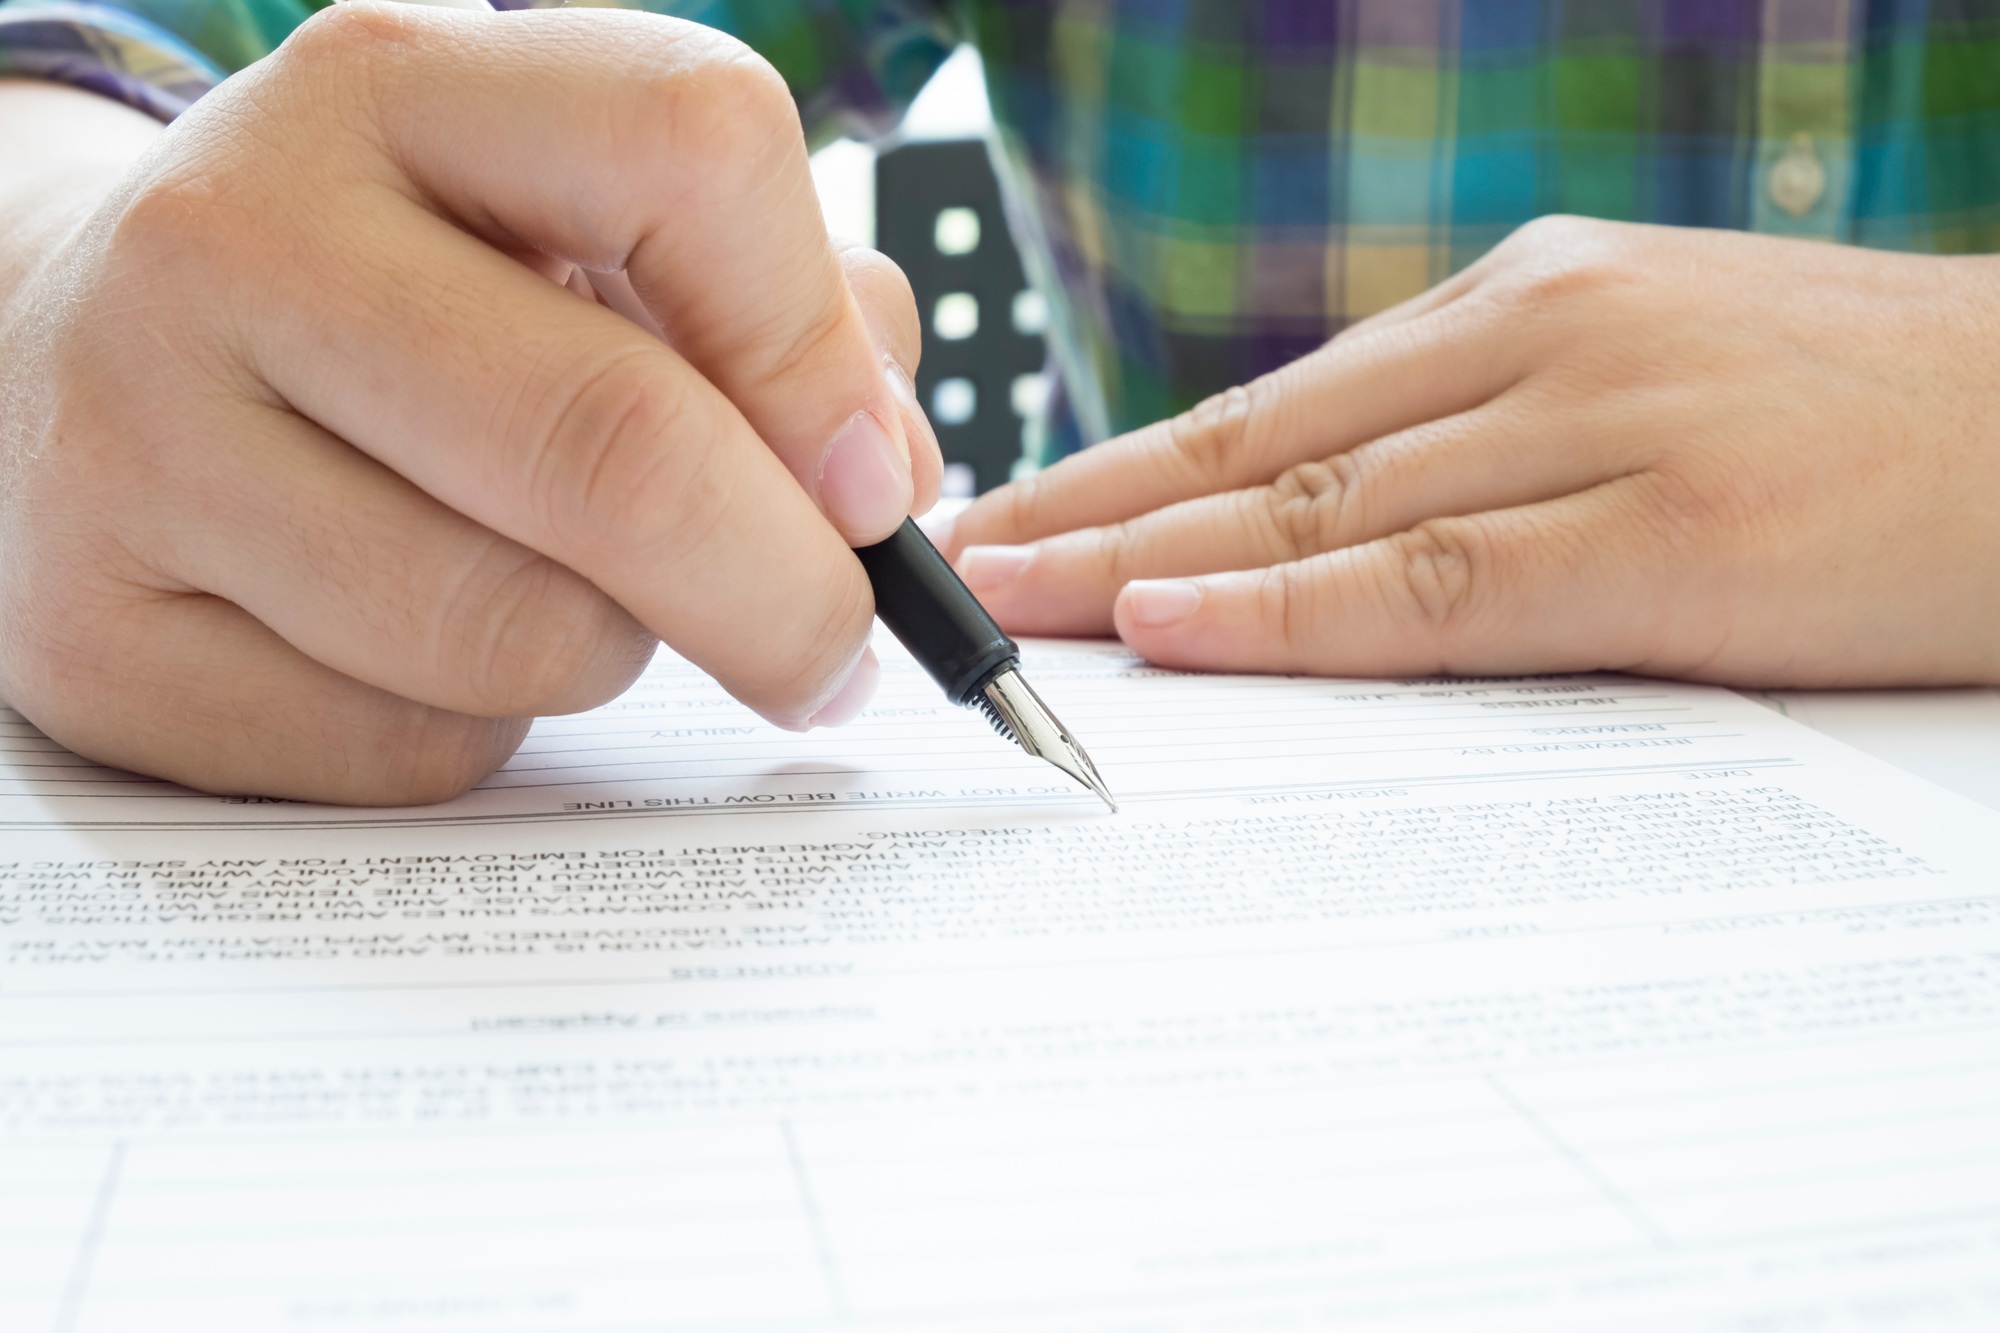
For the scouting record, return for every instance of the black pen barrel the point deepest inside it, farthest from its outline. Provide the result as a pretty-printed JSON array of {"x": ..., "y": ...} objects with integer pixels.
[{"x": 924, "y": 604}]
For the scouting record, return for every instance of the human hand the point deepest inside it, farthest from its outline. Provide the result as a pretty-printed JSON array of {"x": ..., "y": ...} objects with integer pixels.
[
  {"x": 316, "y": 482},
  {"x": 1683, "y": 453}
]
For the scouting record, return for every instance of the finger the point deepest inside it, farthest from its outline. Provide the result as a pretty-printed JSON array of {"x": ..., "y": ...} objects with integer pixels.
[
  {"x": 1513, "y": 451},
  {"x": 613, "y": 457},
  {"x": 628, "y": 142},
  {"x": 1567, "y": 585},
  {"x": 890, "y": 310},
  {"x": 192, "y": 689},
  {"x": 887, "y": 307},
  {"x": 564, "y": 427},
  {"x": 1347, "y": 393},
  {"x": 363, "y": 572},
  {"x": 890, "y": 313}
]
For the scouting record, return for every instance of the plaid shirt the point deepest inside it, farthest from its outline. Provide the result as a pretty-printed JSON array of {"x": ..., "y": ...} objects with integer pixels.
[{"x": 1207, "y": 189}]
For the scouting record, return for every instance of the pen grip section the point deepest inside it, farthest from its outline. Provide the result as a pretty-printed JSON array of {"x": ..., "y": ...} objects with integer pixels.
[{"x": 926, "y": 606}]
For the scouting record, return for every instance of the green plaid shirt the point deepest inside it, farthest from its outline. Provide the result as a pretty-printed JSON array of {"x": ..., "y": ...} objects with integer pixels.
[{"x": 1207, "y": 189}]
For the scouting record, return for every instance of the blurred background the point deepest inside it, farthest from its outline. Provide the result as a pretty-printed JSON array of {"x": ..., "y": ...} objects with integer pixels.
[{"x": 927, "y": 198}]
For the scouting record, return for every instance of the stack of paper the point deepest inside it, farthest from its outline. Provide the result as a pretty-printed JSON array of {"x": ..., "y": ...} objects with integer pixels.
[{"x": 1542, "y": 1004}]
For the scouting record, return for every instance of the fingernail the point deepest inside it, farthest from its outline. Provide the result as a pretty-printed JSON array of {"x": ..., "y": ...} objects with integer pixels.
[
  {"x": 846, "y": 705},
  {"x": 985, "y": 568},
  {"x": 864, "y": 479},
  {"x": 1158, "y": 603},
  {"x": 916, "y": 426}
]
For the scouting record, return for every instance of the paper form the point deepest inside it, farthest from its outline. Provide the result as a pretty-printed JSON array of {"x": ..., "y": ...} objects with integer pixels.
[{"x": 1542, "y": 1004}]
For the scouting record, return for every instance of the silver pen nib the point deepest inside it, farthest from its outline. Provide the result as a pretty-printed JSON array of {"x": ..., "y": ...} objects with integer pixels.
[{"x": 1019, "y": 714}]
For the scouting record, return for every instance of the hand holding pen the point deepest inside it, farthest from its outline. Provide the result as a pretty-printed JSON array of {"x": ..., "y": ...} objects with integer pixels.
[
  {"x": 919, "y": 597},
  {"x": 916, "y": 593},
  {"x": 324, "y": 488}
]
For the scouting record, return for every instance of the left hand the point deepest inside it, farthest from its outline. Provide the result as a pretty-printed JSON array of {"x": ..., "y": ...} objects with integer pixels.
[{"x": 1604, "y": 446}]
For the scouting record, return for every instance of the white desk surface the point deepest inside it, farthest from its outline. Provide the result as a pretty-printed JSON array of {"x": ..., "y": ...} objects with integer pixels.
[{"x": 1951, "y": 737}]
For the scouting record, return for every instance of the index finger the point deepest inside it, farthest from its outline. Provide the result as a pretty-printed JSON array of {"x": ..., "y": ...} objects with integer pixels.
[
  {"x": 673, "y": 153},
  {"x": 1352, "y": 390}
]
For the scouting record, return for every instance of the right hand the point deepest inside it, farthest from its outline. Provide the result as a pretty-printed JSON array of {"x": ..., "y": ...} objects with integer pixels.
[{"x": 315, "y": 481}]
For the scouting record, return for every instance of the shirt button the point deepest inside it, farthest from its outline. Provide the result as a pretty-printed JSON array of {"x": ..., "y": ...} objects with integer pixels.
[{"x": 1797, "y": 178}]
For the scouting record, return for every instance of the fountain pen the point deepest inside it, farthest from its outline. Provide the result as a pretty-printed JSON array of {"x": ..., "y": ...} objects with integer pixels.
[{"x": 924, "y": 604}]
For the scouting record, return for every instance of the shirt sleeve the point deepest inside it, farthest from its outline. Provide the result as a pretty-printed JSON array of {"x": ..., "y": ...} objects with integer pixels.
[
  {"x": 853, "y": 65},
  {"x": 156, "y": 55}
]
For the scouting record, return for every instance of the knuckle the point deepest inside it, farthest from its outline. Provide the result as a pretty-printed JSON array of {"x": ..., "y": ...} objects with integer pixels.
[
  {"x": 803, "y": 339},
  {"x": 163, "y": 236},
  {"x": 1291, "y": 603},
  {"x": 1569, "y": 280},
  {"x": 170, "y": 224},
  {"x": 1308, "y": 506},
  {"x": 726, "y": 108},
  {"x": 747, "y": 91},
  {"x": 1436, "y": 575},
  {"x": 533, "y": 638},
  {"x": 339, "y": 34},
  {"x": 1018, "y": 517},
  {"x": 336, "y": 63},
  {"x": 346, "y": 72},
  {"x": 1689, "y": 515},
  {"x": 423, "y": 756},
  {"x": 1556, "y": 233},
  {"x": 1207, "y": 441},
  {"x": 1558, "y": 259},
  {"x": 1121, "y": 551},
  {"x": 592, "y": 475}
]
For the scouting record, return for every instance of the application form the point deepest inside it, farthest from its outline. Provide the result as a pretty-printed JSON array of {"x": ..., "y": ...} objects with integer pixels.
[{"x": 1533, "y": 1004}]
